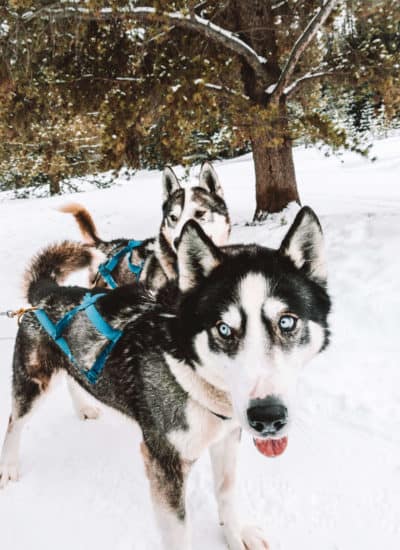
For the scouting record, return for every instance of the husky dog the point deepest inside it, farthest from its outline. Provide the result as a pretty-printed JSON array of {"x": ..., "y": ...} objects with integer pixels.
[
  {"x": 219, "y": 351},
  {"x": 203, "y": 203}
]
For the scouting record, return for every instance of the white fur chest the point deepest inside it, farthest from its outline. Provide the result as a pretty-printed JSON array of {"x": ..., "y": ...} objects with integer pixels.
[
  {"x": 204, "y": 429},
  {"x": 205, "y": 403}
]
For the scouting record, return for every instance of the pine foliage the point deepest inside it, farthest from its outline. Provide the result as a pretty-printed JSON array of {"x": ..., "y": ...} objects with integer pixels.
[{"x": 86, "y": 85}]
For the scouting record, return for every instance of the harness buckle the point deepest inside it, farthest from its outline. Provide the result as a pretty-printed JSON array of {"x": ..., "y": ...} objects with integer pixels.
[{"x": 19, "y": 313}]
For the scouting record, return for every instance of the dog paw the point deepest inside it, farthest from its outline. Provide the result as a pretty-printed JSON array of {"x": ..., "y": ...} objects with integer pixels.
[
  {"x": 8, "y": 472},
  {"x": 89, "y": 413},
  {"x": 249, "y": 537},
  {"x": 253, "y": 538}
]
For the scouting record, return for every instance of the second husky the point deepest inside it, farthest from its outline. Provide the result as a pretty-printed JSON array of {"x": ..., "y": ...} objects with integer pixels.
[{"x": 153, "y": 260}]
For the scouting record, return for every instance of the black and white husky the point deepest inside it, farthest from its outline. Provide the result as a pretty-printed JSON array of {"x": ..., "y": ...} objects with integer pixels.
[
  {"x": 156, "y": 256},
  {"x": 216, "y": 353}
]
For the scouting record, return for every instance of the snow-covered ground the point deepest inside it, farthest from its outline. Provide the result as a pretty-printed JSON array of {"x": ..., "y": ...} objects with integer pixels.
[{"x": 337, "y": 487}]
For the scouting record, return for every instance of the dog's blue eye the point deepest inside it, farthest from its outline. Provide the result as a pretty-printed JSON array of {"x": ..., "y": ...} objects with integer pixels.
[
  {"x": 287, "y": 323},
  {"x": 224, "y": 330}
]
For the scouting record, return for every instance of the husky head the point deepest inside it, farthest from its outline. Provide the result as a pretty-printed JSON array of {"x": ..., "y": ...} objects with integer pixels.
[
  {"x": 251, "y": 317},
  {"x": 204, "y": 203}
]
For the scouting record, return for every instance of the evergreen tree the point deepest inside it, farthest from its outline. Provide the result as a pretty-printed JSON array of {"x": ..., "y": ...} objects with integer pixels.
[{"x": 151, "y": 82}]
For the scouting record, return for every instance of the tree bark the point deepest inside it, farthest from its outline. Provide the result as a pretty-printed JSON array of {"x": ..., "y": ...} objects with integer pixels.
[
  {"x": 54, "y": 185},
  {"x": 275, "y": 178},
  {"x": 275, "y": 175},
  {"x": 272, "y": 147}
]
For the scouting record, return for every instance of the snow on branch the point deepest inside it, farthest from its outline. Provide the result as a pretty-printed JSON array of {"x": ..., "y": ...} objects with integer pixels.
[
  {"x": 219, "y": 88},
  {"x": 198, "y": 24},
  {"x": 292, "y": 88},
  {"x": 299, "y": 48},
  {"x": 147, "y": 14},
  {"x": 278, "y": 5}
]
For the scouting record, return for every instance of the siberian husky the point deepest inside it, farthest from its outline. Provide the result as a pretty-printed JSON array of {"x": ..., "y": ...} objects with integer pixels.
[
  {"x": 218, "y": 352},
  {"x": 153, "y": 260}
]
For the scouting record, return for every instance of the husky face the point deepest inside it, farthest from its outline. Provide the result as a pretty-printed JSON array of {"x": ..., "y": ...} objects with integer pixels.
[
  {"x": 204, "y": 204},
  {"x": 254, "y": 317}
]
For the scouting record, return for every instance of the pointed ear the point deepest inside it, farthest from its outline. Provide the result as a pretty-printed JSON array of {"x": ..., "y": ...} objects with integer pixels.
[
  {"x": 304, "y": 245},
  {"x": 170, "y": 183},
  {"x": 197, "y": 256},
  {"x": 208, "y": 179}
]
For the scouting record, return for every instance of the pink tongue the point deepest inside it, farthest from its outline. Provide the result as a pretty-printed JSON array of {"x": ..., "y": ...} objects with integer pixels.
[{"x": 271, "y": 447}]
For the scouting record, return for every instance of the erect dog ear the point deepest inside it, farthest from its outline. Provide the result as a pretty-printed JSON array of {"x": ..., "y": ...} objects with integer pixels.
[
  {"x": 304, "y": 245},
  {"x": 170, "y": 183},
  {"x": 208, "y": 179},
  {"x": 197, "y": 256}
]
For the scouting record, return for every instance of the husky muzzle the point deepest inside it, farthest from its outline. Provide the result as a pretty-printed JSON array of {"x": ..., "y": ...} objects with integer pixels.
[{"x": 267, "y": 416}]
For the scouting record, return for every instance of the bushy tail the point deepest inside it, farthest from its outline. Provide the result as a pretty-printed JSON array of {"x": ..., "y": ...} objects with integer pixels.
[
  {"x": 52, "y": 265},
  {"x": 84, "y": 220}
]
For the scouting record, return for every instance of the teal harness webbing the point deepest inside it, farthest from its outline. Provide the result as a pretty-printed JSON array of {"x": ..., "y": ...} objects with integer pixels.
[
  {"x": 106, "y": 268},
  {"x": 55, "y": 331}
]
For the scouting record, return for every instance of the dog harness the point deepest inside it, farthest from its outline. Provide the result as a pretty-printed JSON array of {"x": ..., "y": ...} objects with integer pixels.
[
  {"x": 106, "y": 268},
  {"x": 55, "y": 331}
]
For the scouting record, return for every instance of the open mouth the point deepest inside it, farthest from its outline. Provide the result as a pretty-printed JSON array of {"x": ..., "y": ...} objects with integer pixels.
[{"x": 271, "y": 447}]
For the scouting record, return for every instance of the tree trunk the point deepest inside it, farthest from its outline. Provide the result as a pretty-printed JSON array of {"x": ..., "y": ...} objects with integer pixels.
[
  {"x": 276, "y": 187},
  {"x": 54, "y": 185},
  {"x": 275, "y": 175}
]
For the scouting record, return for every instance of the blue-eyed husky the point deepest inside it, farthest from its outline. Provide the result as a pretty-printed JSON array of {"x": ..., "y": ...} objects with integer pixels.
[
  {"x": 153, "y": 261},
  {"x": 219, "y": 351}
]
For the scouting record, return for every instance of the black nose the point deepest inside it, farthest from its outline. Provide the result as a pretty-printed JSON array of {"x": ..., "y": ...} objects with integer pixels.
[
  {"x": 176, "y": 242},
  {"x": 267, "y": 416}
]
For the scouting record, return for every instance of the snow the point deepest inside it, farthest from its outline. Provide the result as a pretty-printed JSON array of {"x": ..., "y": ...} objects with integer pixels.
[
  {"x": 289, "y": 89},
  {"x": 4, "y": 29},
  {"x": 201, "y": 22},
  {"x": 337, "y": 487},
  {"x": 271, "y": 88}
]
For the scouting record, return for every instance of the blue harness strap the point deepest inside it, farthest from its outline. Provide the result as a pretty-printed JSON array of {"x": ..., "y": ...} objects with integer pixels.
[
  {"x": 55, "y": 330},
  {"x": 106, "y": 268},
  {"x": 51, "y": 330}
]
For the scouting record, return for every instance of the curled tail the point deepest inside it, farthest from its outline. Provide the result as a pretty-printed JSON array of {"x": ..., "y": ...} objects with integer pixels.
[
  {"x": 84, "y": 220},
  {"x": 52, "y": 265}
]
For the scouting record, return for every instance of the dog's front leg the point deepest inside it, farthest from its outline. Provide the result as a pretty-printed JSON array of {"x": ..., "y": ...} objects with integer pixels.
[
  {"x": 223, "y": 459},
  {"x": 167, "y": 476}
]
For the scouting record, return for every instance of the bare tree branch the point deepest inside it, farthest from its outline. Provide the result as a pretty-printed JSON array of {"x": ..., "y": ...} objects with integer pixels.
[
  {"x": 299, "y": 47},
  {"x": 294, "y": 86},
  {"x": 280, "y": 8},
  {"x": 225, "y": 89}
]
